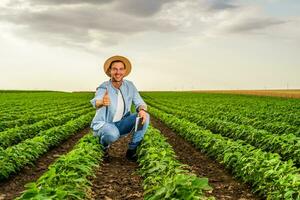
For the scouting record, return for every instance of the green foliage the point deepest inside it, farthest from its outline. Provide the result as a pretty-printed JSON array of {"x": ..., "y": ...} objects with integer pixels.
[
  {"x": 164, "y": 176},
  {"x": 15, "y": 135},
  {"x": 15, "y": 157},
  {"x": 287, "y": 145},
  {"x": 67, "y": 178},
  {"x": 24, "y": 108},
  {"x": 269, "y": 176},
  {"x": 275, "y": 115}
]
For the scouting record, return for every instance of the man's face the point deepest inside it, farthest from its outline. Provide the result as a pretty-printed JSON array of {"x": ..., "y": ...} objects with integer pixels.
[{"x": 117, "y": 71}]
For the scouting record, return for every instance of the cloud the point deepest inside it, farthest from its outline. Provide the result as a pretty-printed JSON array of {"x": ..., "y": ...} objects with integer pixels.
[
  {"x": 142, "y": 8},
  {"x": 79, "y": 25},
  {"x": 251, "y": 24},
  {"x": 92, "y": 23},
  {"x": 288, "y": 31},
  {"x": 247, "y": 20},
  {"x": 59, "y": 2},
  {"x": 221, "y": 5}
]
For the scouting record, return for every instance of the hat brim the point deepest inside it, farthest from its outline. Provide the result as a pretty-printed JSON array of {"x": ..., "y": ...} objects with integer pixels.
[{"x": 114, "y": 58}]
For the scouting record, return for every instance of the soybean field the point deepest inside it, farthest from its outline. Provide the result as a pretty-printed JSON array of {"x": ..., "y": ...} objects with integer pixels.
[
  {"x": 256, "y": 138},
  {"x": 198, "y": 146}
]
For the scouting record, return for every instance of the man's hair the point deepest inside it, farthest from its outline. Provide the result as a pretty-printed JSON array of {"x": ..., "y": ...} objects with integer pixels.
[{"x": 115, "y": 62}]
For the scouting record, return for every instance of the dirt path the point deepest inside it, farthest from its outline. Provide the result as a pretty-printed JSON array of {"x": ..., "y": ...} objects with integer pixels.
[
  {"x": 225, "y": 186},
  {"x": 12, "y": 187},
  {"x": 117, "y": 178}
]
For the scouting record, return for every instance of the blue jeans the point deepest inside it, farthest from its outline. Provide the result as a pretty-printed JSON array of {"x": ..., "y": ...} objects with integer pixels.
[{"x": 112, "y": 131}]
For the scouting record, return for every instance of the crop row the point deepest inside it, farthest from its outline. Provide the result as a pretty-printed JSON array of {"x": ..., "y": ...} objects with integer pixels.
[
  {"x": 288, "y": 146},
  {"x": 267, "y": 109},
  {"x": 222, "y": 112},
  {"x": 269, "y": 176},
  {"x": 18, "y": 104},
  {"x": 164, "y": 177},
  {"x": 68, "y": 177},
  {"x": 30, "y": 119},
  {"x": 38, "y": 109},
  {"x": 13, "y": 136},
  {"x": 15, "y": 157}
]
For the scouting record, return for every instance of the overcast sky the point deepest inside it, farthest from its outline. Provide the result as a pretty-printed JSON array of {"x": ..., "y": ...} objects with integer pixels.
[{"x": 172, "y": 44}]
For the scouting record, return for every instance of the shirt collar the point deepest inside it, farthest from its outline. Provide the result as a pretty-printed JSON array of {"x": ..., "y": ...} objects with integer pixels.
[{"x": 122, "y": 85}]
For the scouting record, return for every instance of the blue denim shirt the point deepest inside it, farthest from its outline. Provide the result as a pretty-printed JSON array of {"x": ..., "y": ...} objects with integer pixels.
[{"x": 107, "y": 113}]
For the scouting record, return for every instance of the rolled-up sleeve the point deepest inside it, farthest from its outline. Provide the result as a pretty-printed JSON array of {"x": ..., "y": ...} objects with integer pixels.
[
  {"x": 137, "y": 99},
  {"x": 100, "y": 91}
]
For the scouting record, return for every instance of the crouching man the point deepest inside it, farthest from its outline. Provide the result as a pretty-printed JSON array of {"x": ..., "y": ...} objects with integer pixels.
[{"x": 113, "y": 101}]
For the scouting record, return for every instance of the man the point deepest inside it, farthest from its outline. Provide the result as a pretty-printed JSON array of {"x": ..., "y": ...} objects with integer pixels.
[{"x": 113, "y": 101}]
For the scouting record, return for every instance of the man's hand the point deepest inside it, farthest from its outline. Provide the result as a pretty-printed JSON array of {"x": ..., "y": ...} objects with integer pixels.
[
  {"x": 143, "y": 115},
  {"x": 106, "y": 99},
  {"x": 104, "y": 102}
]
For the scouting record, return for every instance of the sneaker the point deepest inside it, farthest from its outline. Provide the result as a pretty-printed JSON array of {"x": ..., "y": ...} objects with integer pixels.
[{"x": 131, "y": 155}]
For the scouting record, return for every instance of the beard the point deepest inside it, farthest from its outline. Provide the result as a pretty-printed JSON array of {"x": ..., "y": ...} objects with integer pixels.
[{"x": 114, "y": 80}]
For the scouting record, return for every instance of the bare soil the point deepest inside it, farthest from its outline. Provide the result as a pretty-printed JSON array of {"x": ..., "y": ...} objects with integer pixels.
[{"x": 117, "y": 177}]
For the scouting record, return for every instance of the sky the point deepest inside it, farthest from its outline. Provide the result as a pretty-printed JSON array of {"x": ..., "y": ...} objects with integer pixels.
[{"x": 172, "y": 44}]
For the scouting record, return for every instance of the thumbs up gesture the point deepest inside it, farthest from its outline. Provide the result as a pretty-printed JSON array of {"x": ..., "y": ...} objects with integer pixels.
[{"x": 106, "y": 99}]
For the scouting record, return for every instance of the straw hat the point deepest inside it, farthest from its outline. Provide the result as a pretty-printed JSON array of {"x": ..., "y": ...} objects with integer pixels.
[{"x": 114, "y": 58}]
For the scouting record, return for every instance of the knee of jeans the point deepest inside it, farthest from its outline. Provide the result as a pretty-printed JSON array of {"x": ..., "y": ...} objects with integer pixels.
[{"x": 112, "y": 135}]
